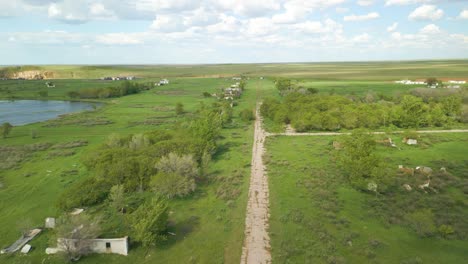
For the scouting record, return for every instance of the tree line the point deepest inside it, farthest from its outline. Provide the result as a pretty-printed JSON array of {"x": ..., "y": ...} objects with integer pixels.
[
  {"x": 312, "y": 111},
  {"x": 125, "y": 88}
]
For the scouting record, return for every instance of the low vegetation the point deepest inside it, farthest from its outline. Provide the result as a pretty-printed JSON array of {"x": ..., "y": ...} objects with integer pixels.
[{"x": 320, "y": 214}]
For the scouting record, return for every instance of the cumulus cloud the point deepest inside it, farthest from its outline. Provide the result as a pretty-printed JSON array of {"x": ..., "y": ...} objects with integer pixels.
[
  {"x": 362, "y": 38},
  {"x": 426, "y": 12},
  {"x": 365, "y": 2},
  {"x": 463, "y": 14},
  {"x": 430, "y": 29},
  {"x": 370, "y": 16},
  {"x": 393, "y": 27},
  {"x": 120, "y": 39},
  {"x": 50, "y": 37},
  {"x": 329, "y": 26},
  {"x": 407, "y": 2}
]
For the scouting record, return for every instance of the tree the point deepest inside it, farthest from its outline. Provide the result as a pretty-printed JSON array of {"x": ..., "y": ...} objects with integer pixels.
[
  {"x": 75, "y": 234},
  {"x": 117, "y": 197},
  {"x": 247, "y": 115},
  {"x": 6, "y": 129},
  {"x": 179, "y": 109},
  {"x": 172, "y": 185},
  {"x": 149, "y": 221},
  {"x": 184, "y": 165},
  {"x": 432, "y": 81},
  {"x": 359, "y": 161},
  {"x": 283, "y": 85},
  {"x": 176, "y": 176}
]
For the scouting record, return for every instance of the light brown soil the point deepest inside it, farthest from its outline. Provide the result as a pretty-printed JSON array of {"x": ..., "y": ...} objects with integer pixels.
[{"x": 256, "y": 247}]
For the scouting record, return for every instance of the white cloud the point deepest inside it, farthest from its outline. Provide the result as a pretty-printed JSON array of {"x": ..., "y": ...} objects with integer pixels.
[
  {"x": 247, "y": 8},
  {"x": 99, "y": 10},
  {"x": 393, "y": 27},
  {"x": 407, "y": 2},
  {"x": 430, "y": 29},
  {"x": 463, "y": 14},
  {"x": 47, "y": 37},
  {"x": 365, "y": 2},
  {"x": 227, "y": 24},
  {"x": 168, "y": 23},
  {"x": 362, "y": 38},
  {"x": 317, "y": 27},
  {"x": 370, "y": 16},
  {"x": 342, "y": 10},
  {"x": 119, "y": 39},
  {"x": 426, "y": 12}
]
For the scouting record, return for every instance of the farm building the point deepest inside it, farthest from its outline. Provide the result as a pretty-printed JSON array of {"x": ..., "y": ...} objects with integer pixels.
[
  {"x": 457, "y": 82},
  {"x": 408, "y": 82},
  {"x": 162, "y": 82},
  {"x": 100, "y": 245}
]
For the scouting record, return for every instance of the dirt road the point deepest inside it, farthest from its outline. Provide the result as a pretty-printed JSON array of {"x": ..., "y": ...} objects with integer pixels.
[{"x": 256, "y": 249}]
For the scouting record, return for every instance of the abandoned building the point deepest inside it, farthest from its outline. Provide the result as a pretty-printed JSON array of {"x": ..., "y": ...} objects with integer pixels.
[{"x": 99, "y": 245}]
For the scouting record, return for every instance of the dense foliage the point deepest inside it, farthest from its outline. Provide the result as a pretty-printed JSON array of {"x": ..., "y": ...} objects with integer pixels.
[
  {"x": 165, "y": 162},
  {"x": 126, "y": 88},
  {"x": 307, "y": 112}
]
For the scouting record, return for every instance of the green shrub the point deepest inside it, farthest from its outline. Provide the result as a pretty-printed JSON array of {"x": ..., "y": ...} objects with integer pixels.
[
  {"x": 172, "y": 185},
  {"x": 422, "y": 222},
  {"x": 84, "y": 193},
  {"x": 247, "y": 115}
]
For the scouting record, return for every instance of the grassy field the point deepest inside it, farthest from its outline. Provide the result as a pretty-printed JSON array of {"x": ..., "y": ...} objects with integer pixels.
[
  {"x": 319, "y": 71},
  {"x": 30, "y": 192},
  {"x": 316, "y": 217}
]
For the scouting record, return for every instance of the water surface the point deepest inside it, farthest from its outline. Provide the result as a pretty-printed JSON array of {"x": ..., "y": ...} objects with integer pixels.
[{"x": 21, "y": 112}]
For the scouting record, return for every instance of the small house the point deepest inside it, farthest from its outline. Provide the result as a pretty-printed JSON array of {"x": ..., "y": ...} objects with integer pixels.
[
  {"x": 162, "y": 82},
  {"x": 99, "y": 245}
]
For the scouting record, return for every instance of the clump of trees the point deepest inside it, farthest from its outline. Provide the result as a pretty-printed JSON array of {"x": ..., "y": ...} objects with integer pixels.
[
  {"x": 306, "y": 112},
  {"x": 364, "y": 169},
  {"x": 125, "y": 88},
  {"x": 168, "y": 163},
  {"x": 176, "y": 176}
]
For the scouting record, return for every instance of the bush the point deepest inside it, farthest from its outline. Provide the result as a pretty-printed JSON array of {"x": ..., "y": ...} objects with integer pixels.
[
  {"x": 247, "y": 115},
  {"x": 84, "y": 193},
  {"x": 149, "y": 222},
  {"x": 422, "y": 222},
  {"x": 172, "y": 185}
]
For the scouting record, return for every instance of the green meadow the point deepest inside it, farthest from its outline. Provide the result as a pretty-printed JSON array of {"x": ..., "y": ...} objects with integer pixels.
[
  {"x": 213, "y": 216},
  {"x": 317, "y": 217}
]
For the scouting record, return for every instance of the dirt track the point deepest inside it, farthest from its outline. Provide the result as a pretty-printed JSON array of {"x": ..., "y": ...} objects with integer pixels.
[{"x": 256, "y": 249}]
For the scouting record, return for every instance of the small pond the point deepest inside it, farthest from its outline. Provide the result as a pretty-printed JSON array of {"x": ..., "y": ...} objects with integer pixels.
[{"x": 22, "y": 112}]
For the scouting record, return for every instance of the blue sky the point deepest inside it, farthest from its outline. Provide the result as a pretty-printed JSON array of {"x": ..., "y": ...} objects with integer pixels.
[{"x": 230, "y": 31}]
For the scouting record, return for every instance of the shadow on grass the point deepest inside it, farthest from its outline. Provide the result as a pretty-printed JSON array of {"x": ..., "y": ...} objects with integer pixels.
[
  {"x": 224, "y": 149},
  {"x": 179, "y": 231}
]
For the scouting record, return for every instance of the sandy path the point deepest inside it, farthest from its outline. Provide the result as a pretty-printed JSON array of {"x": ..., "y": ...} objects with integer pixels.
[{"x": 256, "y": 249}]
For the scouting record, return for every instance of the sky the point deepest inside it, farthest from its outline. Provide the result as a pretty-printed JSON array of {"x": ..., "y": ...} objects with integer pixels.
[{"x": 230, "y": 31}]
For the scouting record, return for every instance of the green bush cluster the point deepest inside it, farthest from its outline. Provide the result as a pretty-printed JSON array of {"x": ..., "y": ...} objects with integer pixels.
[
  {"x": 307, "y": 112},
  {"x": 126, "y": 88}
]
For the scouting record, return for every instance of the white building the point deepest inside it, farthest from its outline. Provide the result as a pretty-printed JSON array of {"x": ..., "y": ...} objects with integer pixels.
[
  {"x": 408, "y": 82},
  {"x": 100, "y": 245},
  {"x": 457, "y": 82}
]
